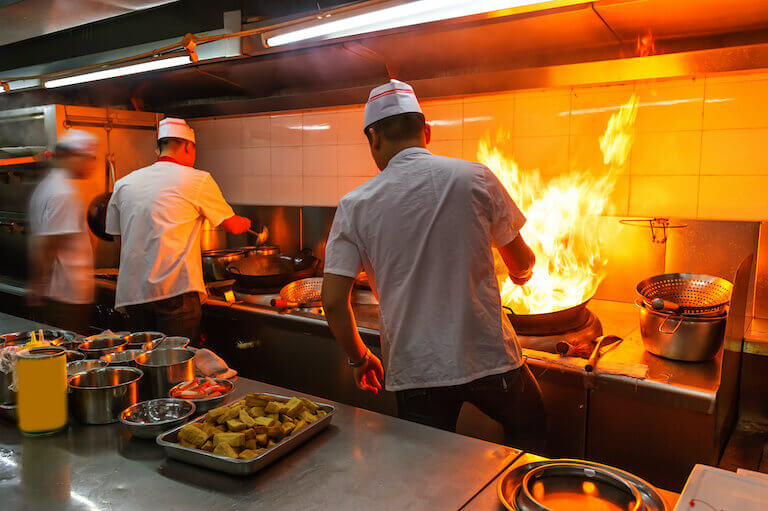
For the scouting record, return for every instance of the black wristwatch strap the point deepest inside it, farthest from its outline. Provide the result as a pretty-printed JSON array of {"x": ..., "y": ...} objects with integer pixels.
[{"x": 359, "y": 362}]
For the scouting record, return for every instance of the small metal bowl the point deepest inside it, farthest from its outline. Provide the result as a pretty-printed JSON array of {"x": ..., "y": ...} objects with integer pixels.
[
  {"x": 204, "y": 405},
  {"x": 8, "y": 412},
  {"x": 166, "y": 343},
  {"x": 81, "y": 366},
  {"x": 74, "y": 356},
  {"x": 151, "y": 418},
  {"x": 122, "y": 358},
  {"x": 137, "y": 340},
  {"x": 95, "y": 348}
]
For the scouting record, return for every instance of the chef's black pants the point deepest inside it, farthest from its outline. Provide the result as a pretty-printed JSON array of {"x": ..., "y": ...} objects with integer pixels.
[
  {"x": 178, "y": 315},
  {"x": 512, "y": 398}
]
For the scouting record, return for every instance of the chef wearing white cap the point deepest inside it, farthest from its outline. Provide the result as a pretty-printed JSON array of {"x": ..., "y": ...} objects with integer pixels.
[
  {"x": 423, "y": 229},
  {"x": 157, "y": 212},
  {"x": 61, "y": 276}
]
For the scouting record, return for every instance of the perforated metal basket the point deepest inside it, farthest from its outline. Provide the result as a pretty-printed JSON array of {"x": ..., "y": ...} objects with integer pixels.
[
  {"x": 304, "y": 291},
  {"x": 694, "y": 293}
]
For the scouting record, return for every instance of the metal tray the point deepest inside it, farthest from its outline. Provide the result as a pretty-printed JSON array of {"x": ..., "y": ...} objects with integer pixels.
[
  {"x": 243, "y": 467},
  {"x": 509, "y": 484}
]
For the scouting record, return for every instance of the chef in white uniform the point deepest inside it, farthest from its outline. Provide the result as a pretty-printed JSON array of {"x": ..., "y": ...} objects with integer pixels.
[
  {"x": 157, "y": 212},
  {"x": 61, "y": 258},
  {"x": 423, "y": 230}
]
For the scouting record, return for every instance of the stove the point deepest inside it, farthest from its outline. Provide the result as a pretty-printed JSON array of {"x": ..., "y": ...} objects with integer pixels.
[{"x": 584, "y": 333}]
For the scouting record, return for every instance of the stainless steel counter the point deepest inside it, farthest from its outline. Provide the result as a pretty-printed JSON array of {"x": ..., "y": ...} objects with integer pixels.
[{"x": 363, "y": 461}]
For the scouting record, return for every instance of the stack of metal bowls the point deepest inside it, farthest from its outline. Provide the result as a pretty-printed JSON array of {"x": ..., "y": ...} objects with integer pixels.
[
  {"x": 166, "y": 343},
  {"x": 97, "y": 347},
  {"x": 99, "y": 396},
  {"x": 137, "y": 340},
  {"x": 165, "y": 368},
  {"x": 81, "y": 366},
  {"x": 122, "y": 358},
  {"x": 150, "y": 418}
]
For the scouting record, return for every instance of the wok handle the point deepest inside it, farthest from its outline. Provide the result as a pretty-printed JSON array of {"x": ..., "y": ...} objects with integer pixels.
[
  {"x": 669, "y": 332},
  {"x": 233, "y": 269},
  {"x": 508, "y": 309}
]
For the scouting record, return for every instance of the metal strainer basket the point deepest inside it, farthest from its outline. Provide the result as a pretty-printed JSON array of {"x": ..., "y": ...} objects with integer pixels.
[
  {"x": 304, "y": 292},
  {"x": 694, "y": 293}
]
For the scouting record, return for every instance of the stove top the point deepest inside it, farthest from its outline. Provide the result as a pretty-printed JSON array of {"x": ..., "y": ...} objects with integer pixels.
[{"x": 588, "y": 332}]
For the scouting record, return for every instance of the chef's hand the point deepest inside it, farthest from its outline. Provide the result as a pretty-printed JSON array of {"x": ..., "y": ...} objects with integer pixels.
[
  {"x": 370, "y": 375},
  {"x": 236, "y": 224},
  {"x": 521, "y": 279}
]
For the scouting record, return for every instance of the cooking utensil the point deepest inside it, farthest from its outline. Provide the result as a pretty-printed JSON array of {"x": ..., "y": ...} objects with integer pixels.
[
  {"x": 122, "y": 358},
  {"x": 97, "y": 209},
  {"x": 74, "y": 355},
  {"x": 81, "y": 366},
  {"x": 256, "y": 272},
  {"x": 150, "y": 418},
  {"x": 102, "y": 346},
  {"x": 137, "y": 340},
  {"x": 508, "y": 487},
  {"x": 100, "y": 395},
  {"x": 166, "y": 343},
  {"x": 204, "y": 405},
  {"x": 686, "y": 338},
  {"x": 215, "y": 263},
  {"x": 550, "y": 323},
  {"x": 249, "y": 466},
  {"x": 261, "y": 237},
  {"x": 300, "y": 293},
  {"x": 686, "y": 293},
  {"x": 165, "y": 368},
  {"x": 603, "y": 340}
]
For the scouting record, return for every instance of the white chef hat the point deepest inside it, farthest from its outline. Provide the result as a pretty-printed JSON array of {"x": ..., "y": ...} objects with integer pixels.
[
  {"x": 390, "y": 99},
  {"x": 77, "y": 141},
  {"x": 171, "y": 127}
]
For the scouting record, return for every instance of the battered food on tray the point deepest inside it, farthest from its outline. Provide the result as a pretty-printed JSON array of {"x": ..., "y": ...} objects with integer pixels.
[{"x": 249, "y": 427}]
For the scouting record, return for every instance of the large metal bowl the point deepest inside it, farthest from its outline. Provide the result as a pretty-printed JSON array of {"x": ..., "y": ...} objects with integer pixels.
[
  {"x": 204, "y": 405},
  {"x": 137, "y": 340},
  {"x": 74, "y": 355},
  {"x": 164, "y": 369},
  {"x": 22, "y": 338},
  {"x": 122, "y": 358},
  {"x": 150, "y": 418},
  {"x": 81, "y": 366},
  {"x": 100, "y": 395},
  {"x": 96, "y": 348},
  {"x": 166, "y": 343}
]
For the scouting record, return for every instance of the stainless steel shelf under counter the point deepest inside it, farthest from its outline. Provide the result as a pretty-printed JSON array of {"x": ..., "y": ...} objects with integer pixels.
[{"x": 364, "y": 460}]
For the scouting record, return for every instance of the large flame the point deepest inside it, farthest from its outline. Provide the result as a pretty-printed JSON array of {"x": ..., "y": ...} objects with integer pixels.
[{"x": 563, "y": 219}]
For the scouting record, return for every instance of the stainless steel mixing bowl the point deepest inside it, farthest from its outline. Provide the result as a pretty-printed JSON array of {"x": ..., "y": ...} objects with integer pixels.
[
  {"x": 100, "y": 395},
  {"x": 150, "y": 418}
]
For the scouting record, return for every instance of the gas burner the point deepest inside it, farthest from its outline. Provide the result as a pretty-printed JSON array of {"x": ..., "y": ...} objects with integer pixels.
[
  {"x": 590, "y": 330},
  {"x": 239, "y": 289}
]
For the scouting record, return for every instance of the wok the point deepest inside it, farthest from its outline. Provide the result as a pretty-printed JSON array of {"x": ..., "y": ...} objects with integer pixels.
[
  {"x": 549, "y": 323},
  {"x": 272, "y": 271},
  {"x": 97, "y": 209}
]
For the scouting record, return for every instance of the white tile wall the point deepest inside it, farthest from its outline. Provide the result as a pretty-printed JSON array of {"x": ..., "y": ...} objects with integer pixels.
[{"x": 699, "y": 151}]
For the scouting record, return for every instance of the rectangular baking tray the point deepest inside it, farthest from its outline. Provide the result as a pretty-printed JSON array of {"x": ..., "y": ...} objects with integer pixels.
[{"x": 243, "y": 467}]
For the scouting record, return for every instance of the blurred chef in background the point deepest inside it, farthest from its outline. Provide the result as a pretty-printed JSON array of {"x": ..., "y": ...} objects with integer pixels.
[
  {"x": 156, "y": 213},
  {"x": 61, "y": 258},
  {"x": 423, "y": 230}
]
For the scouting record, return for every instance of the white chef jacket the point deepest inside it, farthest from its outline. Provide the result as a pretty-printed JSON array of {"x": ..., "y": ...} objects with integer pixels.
[
  {"x": 158, "y": 212},
  {"x": 56, "y": 208},
  {"x": 423, "y": 229}
]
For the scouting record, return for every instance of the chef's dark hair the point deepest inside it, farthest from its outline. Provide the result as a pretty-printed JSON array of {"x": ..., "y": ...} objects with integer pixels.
[
  {"x": 163, "y": 143},
  {"x": 398, "y": 127}
]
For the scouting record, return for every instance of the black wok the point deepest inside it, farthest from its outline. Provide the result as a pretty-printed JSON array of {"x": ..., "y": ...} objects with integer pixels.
[
  {"x": 550, "y": 323},
  {"x": 272, "y": 271}
]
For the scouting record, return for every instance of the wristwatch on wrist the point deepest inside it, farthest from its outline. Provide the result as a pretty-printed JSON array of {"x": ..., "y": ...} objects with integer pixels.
[{"x": 360, "y": 362}]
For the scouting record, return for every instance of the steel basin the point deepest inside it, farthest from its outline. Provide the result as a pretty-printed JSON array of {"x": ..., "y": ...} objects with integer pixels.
[
  {"x": 122, "y": 358},
  {"x": 137, "y": 340},
  {"x": 96, "y": 348},
  {"x": 163, "y": 369},
  {"x": 100, "y": 395}
]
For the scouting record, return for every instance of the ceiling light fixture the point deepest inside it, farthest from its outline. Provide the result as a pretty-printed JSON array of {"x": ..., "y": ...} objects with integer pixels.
[
  {"x": 143, "y": 67},
  {"x": 405, "y": 14}
]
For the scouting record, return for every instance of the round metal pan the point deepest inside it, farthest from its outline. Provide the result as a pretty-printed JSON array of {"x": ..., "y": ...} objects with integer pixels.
[
  {"x": 510, "y": 482},
  {"x": 550, "y": 323},
  {"x": 267, "y": 272}
]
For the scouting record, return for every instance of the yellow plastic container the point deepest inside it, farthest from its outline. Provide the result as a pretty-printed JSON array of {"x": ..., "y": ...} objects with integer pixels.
[{"x": 42, "y": 390}]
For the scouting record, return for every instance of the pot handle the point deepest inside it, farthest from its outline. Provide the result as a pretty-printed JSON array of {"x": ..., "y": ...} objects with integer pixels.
[
  {"x": 679, "y": 322},
  {"x": 508, "y": 309},
  {"x": 233, "y": 269}
]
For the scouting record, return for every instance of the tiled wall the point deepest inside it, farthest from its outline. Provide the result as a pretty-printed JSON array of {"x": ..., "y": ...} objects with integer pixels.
[{"x": 700, "y": 147}]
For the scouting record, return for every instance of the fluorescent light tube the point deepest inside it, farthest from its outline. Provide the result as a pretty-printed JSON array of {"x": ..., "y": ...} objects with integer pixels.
[
  {"x": 403, "y": 15},
  {"x": 143, "y": 67}
]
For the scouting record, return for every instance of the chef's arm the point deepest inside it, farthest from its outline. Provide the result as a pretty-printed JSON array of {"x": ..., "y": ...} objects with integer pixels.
[
  {"x": 519, "y": 258},
  {"x": 336, "y": 294},
  {"x": 236, "y": 224}
]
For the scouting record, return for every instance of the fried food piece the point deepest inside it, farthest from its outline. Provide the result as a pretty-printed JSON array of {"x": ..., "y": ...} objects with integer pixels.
[
  {"x": 294, "y": 407},
  {"x": 271, "y": 443},
  {"x": 213, "y": 415},
  {"x": 299, "y": 426},
  {"x": 247, "y": 419},
  {"x": 262, "y": 439},
  {"x": 199, "y": 425},
  {"x": 307, "y": 417},
  {"x": 312, "y": 407},
  {"x": 288, "y": 427},
  {"x": 232, "y": 439},
  {"x": 210, "y": 428},
  {"x": 207, "y": 446},
  {"x": 273, "y": 407},
  {"x": 193, "y": 435},
  {"x": 248, "y": 454},
  {"x": 274, "y": 416},
  {"x": 224, "y": 449},
  {"x": 264, "y": 421},
  {"x": 220, "y": 429},
  {"x": 230, "y": 413},
  {"x": 236, "y": 425},
  {"x": 275, "y": 432},
  {"x": 251, "y": 444},
  {"x": 256, "y": 411},
  {"x": 252, "y": 400},
  {"x": 321, "y": 413}
]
